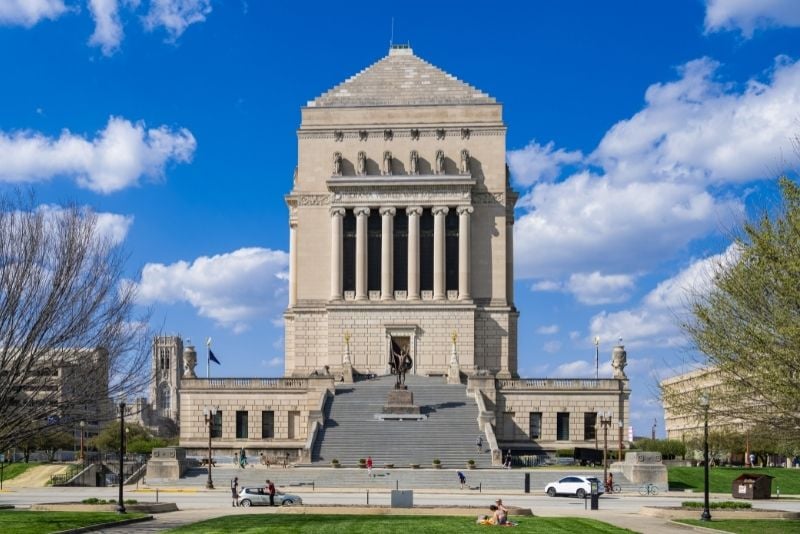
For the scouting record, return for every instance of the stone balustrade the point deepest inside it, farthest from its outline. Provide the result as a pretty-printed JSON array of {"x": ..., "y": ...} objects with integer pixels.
[
  {"x": 559, "y": 384},
  {"x": 244, "y": 383}
]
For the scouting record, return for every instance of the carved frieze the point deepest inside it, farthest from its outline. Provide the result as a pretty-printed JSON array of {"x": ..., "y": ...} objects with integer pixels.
[
  {"x": 389, "y": 134},
  {"x": 487, "y": 199},
  {"x": 308, "y": 199}
]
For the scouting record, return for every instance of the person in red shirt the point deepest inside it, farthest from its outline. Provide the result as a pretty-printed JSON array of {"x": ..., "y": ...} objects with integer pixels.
[{"x": 369, "y": 465}]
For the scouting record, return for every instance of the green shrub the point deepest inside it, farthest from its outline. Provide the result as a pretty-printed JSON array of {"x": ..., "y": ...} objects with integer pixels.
[{"x": 729, "y": 505}]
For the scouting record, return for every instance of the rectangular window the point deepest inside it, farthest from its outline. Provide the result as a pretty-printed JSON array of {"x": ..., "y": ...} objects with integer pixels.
[
  {"x": 589, "y": 425},
  {"x": 536, "y": 425},
  {"x": 216, "y": 425},
  {"x": 241, "y": 425},
  {"x": 562, "y": 426},
  {"x": 267, "y": 425}
]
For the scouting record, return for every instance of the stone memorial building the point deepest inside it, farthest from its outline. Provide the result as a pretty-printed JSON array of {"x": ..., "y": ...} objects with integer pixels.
[{"x": 401, "y": 222}]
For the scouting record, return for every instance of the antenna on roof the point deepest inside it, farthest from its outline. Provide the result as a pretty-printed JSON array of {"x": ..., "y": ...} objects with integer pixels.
[{"x": 391, "y": 35}]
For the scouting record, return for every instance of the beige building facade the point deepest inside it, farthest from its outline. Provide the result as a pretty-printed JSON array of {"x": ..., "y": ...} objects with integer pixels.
[{"x": 401, "y": 240}]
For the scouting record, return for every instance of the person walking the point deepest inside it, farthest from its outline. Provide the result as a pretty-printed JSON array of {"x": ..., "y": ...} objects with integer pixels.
[
  {"x": 235, "y": 491},
  {"x": 242, "y": 458},
  {"x": 479, "y": 443},
  {"x": 462, "y": 479},
  {"x": 369, "y": 465},
  {"x": 271, "y": 490}
]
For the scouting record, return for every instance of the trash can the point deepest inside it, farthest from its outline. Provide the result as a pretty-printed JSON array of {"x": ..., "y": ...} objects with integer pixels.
[
  {"x": 595, "y": 494},
  {"x": 752, "y": 486}
]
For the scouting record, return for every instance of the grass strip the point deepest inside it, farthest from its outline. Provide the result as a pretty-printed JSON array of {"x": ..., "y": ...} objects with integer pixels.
[
  {"x": 357, "y": 524},
  {"x": 30, "y": 522}
]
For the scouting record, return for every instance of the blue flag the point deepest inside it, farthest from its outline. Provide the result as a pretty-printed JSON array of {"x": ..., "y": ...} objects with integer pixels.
[{"x": 212, "y": 357}]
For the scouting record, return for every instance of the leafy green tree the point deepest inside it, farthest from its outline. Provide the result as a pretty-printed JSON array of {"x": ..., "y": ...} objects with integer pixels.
[
  {"x": 748, "y": 324},
  {"x": 138, "y": 439},
  {"x": 669, "y": 448}
]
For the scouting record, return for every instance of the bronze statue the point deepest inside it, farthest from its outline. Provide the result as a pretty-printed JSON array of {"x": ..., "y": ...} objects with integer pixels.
[{"x": 400, "y": 363}]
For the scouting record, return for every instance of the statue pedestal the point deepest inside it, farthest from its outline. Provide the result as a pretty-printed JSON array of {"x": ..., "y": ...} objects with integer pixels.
[
  {"x": 454, "y": 374},
  {"x": 347, "y": 373},
  {"x": 400, "y": 401}
]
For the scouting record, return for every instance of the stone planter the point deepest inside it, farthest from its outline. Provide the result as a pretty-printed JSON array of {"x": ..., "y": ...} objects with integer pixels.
[
  {"x": 437, "y": 466},
  {"x": 336, "y": 464}
]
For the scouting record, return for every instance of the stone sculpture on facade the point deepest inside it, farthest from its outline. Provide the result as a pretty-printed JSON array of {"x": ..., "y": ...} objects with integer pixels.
[
  {"x": 414, "y": 163},
  {"x": 439, "y": 169},
  {"x": 387, "y": 163},
  {"x": 465, "y": 161},
  {"x": 361, "y": 169},
  {"x": 337, "y": 164}
]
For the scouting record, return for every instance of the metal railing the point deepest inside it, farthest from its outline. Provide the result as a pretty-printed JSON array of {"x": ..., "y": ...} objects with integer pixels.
[{"x": 244, "y": 383}]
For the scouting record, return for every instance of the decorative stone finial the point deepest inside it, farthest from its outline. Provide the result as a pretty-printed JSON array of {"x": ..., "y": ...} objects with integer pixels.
[
  {"x": 189, "y": 360},
  {"x": 619, "y": 359}
]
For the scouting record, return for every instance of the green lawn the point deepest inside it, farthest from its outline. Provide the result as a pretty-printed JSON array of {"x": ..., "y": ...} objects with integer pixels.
[
  {"x": 720, "y": 478},
  {"x": 353, "y": 524},
  {"x": 27, "y": 522},
  {"x": 13, "y": 470},
  {"x": 748, "y": 526}
]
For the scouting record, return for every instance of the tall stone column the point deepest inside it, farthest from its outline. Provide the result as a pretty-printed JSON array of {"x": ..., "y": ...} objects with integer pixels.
[
  {"x": 361, "y": 253},
  {"x": 439, "y": 214},
  {"x": 464, "y": 254},
  {"x": 387, "y": 252},
  {"x": 292, "y": 263},
  {"x": 337, "y": 216},
  {"x": 413, "y": 213}
]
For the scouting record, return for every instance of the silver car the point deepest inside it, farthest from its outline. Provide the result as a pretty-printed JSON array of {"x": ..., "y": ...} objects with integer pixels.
[{"x": 260, "y": 497}]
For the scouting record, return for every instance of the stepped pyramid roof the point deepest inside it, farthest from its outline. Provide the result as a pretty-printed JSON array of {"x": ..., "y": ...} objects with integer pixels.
[{"x": 401, "y": 79}]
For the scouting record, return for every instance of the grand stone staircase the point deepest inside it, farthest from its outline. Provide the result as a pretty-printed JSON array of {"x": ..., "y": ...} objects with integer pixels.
[{"x": 351, "y": 432}]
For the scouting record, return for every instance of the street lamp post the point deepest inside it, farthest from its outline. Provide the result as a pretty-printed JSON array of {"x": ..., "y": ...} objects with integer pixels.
[
  {"x": 706, "y": 515},
  {"x": 83, "y": 427},
  {"x": 605, "y": 422},
  {"x": 121, "y": 501},
  {"x": 209, "y": 412}
]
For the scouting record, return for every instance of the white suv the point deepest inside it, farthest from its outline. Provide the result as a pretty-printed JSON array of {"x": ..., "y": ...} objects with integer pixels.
[{"x": 574, "y": 485}]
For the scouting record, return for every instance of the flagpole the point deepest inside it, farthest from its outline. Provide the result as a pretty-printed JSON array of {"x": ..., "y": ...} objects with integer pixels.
[{"x": 208, "y": 358}]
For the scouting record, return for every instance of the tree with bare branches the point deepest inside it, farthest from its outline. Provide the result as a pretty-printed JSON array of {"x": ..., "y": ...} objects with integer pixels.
[{"x": 69, "y": 338}]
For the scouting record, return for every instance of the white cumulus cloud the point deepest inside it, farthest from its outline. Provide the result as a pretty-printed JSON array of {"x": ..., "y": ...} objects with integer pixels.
[
  {"x": 234, "y": 289},
  {"x": 537, "y": 162},
  {"x": 29, "y": 12},
  {"x": 108, "y": 32},
  {"x": 116, "y": 158},
  {"x": 652, "y": 186},
  {"x": 655, "y": 321},
  {"x": 598, "y": 288},
  {"x": 111, "y": 226},
  {"x": 749, "y": 15},
  {"x": 176, "y": 15}
]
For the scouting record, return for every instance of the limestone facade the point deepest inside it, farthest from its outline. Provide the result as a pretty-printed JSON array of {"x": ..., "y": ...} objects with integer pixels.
[
  {"x": 401, "y": 234},
  {"x": 401, "y": 188}
]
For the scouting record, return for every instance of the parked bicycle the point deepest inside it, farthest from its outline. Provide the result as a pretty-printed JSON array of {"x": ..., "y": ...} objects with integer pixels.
[{"x": 648, "y": 489}]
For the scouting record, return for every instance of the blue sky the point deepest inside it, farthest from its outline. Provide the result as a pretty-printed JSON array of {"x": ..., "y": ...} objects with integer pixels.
[{"x": 638, "y": 134}]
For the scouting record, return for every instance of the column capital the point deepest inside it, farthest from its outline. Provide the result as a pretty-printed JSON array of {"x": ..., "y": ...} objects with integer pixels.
[
  {"x": 337, "y": 211},
  {"x": 387, "y": 210},
  {"x": 461, "y": 210},
  {"x": 414, "y": 210},
  {"x": 361, "y": 211},
  {"x": 436, "y": 210}
]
